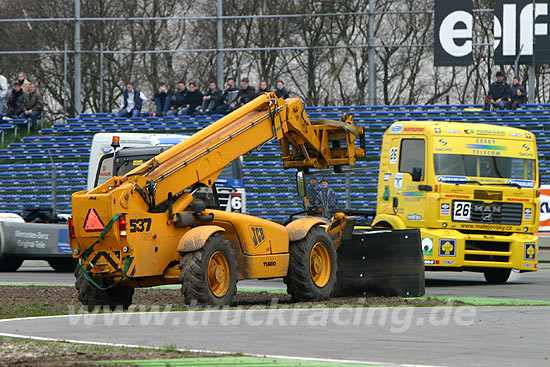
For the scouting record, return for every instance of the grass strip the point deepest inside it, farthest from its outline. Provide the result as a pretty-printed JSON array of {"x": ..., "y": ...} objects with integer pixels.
[
  {"x": 485, "y": 301},
  {"x": 227, "y": 361}
]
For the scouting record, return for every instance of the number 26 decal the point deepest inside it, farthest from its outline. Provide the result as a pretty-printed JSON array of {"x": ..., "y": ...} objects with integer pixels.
[{"x": 140, "y": 225}]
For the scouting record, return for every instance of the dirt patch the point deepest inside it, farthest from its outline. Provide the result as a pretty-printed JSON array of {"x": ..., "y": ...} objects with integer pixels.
[
  {"x": 24, "y": 353},
  {"x": 23, "y": 301}
]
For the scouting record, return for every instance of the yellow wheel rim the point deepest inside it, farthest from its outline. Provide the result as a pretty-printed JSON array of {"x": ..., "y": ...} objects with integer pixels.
[
  {"x": 219, "y": 274},
  {"x": 319, "y": 265}
]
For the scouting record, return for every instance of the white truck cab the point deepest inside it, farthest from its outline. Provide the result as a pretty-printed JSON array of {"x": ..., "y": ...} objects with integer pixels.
[{"x": 229, "y": 185}]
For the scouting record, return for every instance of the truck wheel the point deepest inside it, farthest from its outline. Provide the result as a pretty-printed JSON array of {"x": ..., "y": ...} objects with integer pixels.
[
  {"x": 92, "y": 297},
  {"x": 9, "y": 264},
  {"x": 63, "y": 265},
  {"x": 209, "y": 275},
  {"x": 312, "y": 269},
  {"x": 497, "y": 276}
]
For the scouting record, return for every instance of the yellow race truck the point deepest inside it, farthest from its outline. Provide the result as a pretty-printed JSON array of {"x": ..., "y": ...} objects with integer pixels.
[{"x": 472, "y": 190}]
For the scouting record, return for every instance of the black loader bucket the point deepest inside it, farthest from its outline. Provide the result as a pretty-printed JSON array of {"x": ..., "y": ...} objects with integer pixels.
[{"x": 381, "y": 263}]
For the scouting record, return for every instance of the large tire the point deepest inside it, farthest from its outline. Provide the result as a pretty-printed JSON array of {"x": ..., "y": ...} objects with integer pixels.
[
  {"x": 63, "y": 265},
  {"x": 209, "y": 275},
  {"x": 9, "y": 264},
  {"x": 497, "y": 275},
  {"x": 94, "y": 298},
  {"x": 312, "y": 269}
]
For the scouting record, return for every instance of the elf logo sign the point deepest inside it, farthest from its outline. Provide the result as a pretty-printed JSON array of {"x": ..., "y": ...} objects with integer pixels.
[
  {"x": 514, "y": 27},
  {"x": 521, "y": 27},
  {"x": 453, "y": 32}
]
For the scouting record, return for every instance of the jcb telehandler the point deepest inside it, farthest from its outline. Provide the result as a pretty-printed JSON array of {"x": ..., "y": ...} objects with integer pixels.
[{"x": 155, "y": 225}]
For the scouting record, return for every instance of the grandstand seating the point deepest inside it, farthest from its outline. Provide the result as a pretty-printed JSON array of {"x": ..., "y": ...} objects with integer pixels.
[{"x": 26, "y": 171}]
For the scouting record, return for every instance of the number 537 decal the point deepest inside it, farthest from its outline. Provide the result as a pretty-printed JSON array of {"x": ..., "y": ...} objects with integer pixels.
[{"x": 140, "y": 225}]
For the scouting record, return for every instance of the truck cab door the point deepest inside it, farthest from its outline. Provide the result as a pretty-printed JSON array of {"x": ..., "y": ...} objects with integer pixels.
[{"x": 409, "y": 184}]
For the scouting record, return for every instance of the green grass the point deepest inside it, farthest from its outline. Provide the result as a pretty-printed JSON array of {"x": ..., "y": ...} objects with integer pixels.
[
  {"x": 485, "y": 301},
  {"x": 21, "y": 309}
]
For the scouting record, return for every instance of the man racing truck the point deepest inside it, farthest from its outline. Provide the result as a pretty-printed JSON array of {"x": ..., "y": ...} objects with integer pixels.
[{"x": 472, "y": 189}]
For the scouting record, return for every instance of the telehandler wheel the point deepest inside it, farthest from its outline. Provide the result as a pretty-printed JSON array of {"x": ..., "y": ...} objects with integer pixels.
[
  {"x": 92, "y": 297},
  {"x": 497, "y": 276},
  {"x": 9, "y": 264},
  {"x": 209, "y": 275},
  {"x": 312, "y": 269}
]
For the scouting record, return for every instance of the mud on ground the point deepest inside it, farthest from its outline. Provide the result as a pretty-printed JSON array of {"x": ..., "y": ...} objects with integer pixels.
[{"x": 21, "y": 301}]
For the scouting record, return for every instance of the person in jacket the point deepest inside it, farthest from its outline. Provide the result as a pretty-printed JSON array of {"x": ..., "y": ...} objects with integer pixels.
[
  {"x": 33, "y": 105},
  {"x": 3, "y": 93},
  {"x": 25, "y": 84},
  {"x": 163, "y": 100},
  {"x": 326, "y": 199},
  {"x": 15, "y": 101},
  {"x": 280, "y": 90},
  {"x": 498, "y": 92},
  {"x": 229, "y": 97},
  {"x": 132, "y": 101},
  {"x": 193, "y": 99},
  {"x": 178, "y": 103},
  {"x": 212, "y": 99},
  {"x": 246, "y": 94},
  {"x": 264, "y": 88},
  {"x": 312, "y": 190},
  {"x": 516, "y": 95}
]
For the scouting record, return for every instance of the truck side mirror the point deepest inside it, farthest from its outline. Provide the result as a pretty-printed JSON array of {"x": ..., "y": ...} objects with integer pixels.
[
  {"x": 416, "y": 174},
  {"x": 301, "y": 184}
]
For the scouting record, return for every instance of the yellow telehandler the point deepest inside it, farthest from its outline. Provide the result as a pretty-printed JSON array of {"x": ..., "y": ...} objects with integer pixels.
[{"x": 158, "y": 224}]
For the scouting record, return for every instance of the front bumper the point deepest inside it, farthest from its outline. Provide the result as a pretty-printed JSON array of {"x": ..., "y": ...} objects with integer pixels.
[{"x": 452, "y": 249}]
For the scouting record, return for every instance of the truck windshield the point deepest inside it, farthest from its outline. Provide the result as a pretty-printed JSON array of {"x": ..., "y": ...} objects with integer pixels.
[{"x": 483, "y": 166}]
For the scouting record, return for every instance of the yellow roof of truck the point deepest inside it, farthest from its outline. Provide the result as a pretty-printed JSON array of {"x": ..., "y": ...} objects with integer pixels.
[{"x": 458, "y": 129}]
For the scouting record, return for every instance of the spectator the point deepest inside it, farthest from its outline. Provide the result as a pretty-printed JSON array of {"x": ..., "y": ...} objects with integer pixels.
[
  {"x": 212, "y": 99},
  {"x": 32, "y": 106},
  {"x": 246, "y": 94},
  {"x": 312, "y": 190},
  {"x": 498, "y": 92},
  {"x": 178, "y": 104},
  {"x": 193, "y": 99},
  {"x": 229, "y": 97},
  {"x": 326, "y": 199},
  {"x": 516, "y": 95},
  {"x": 3, "y": 93},
  {"x": 264, "y": 88},
  {"x": 281, "y": 91},
  {"x": 132, "y": 101},
  {"x": 163, "y": 100},
  {"x": 15, "y": 101},
  {"x": 24, "y": 82}
]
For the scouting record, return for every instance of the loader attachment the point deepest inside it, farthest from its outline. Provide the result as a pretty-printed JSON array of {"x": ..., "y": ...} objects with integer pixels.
[{"x": 381, "y": 262}]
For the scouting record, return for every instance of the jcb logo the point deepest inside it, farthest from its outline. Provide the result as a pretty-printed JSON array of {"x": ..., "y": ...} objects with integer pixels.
[{"x": 258, "y": 235}]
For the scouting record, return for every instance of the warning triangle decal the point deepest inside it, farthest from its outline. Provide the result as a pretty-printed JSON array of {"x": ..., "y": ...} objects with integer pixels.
[{"x": 93, "y": 222}]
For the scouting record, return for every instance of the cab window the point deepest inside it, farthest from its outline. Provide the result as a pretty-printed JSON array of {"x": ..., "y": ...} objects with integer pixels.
[{"x": 412, "y": 155}]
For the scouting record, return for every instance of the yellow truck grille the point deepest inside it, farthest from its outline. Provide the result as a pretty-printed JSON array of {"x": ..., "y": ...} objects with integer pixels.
[{"x": 487, "y": 251}]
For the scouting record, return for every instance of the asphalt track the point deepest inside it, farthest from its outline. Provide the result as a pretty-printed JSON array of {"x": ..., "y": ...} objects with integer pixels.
[
  {"x": 444, "y": 336},
  {"x": 425, "y": 336}
]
